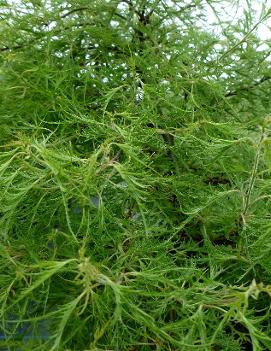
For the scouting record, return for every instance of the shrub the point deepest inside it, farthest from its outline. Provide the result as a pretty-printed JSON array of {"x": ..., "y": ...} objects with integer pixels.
[{"x": 135, "y": 177}]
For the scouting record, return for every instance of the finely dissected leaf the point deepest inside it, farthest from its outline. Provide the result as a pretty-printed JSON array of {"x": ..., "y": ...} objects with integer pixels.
[{"x": 51, "y": 268}]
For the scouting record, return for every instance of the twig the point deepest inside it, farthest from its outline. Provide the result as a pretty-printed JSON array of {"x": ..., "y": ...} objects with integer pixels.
[
  {"x": 252, "y": 177},
  {"x": 79, "y": 9},
  {"x": 245, "y": 36},
  {"x": 247, "y": 88}
]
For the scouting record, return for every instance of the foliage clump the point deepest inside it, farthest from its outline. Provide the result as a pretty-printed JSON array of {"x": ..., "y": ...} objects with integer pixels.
[{"x": 135, "y": 177}]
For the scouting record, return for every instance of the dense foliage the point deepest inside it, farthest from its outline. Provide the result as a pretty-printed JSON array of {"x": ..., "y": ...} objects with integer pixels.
[{"x": 135, "y": 177}]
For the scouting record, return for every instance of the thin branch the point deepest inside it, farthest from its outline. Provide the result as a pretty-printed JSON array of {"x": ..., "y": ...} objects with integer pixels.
[
  {"x": 248, "y": 192},
  {"x": 20, "y": 46},
  {"x": 187, "y": 7},
  {"x": 249, "y": 87},
  {"x": 230, "y": 50},
  {"x": 16, "y": 47},
  {"x": 180, "y": 8},
  {"x": 120, "y": 16},
  {"x": 79, "y": 9}
]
